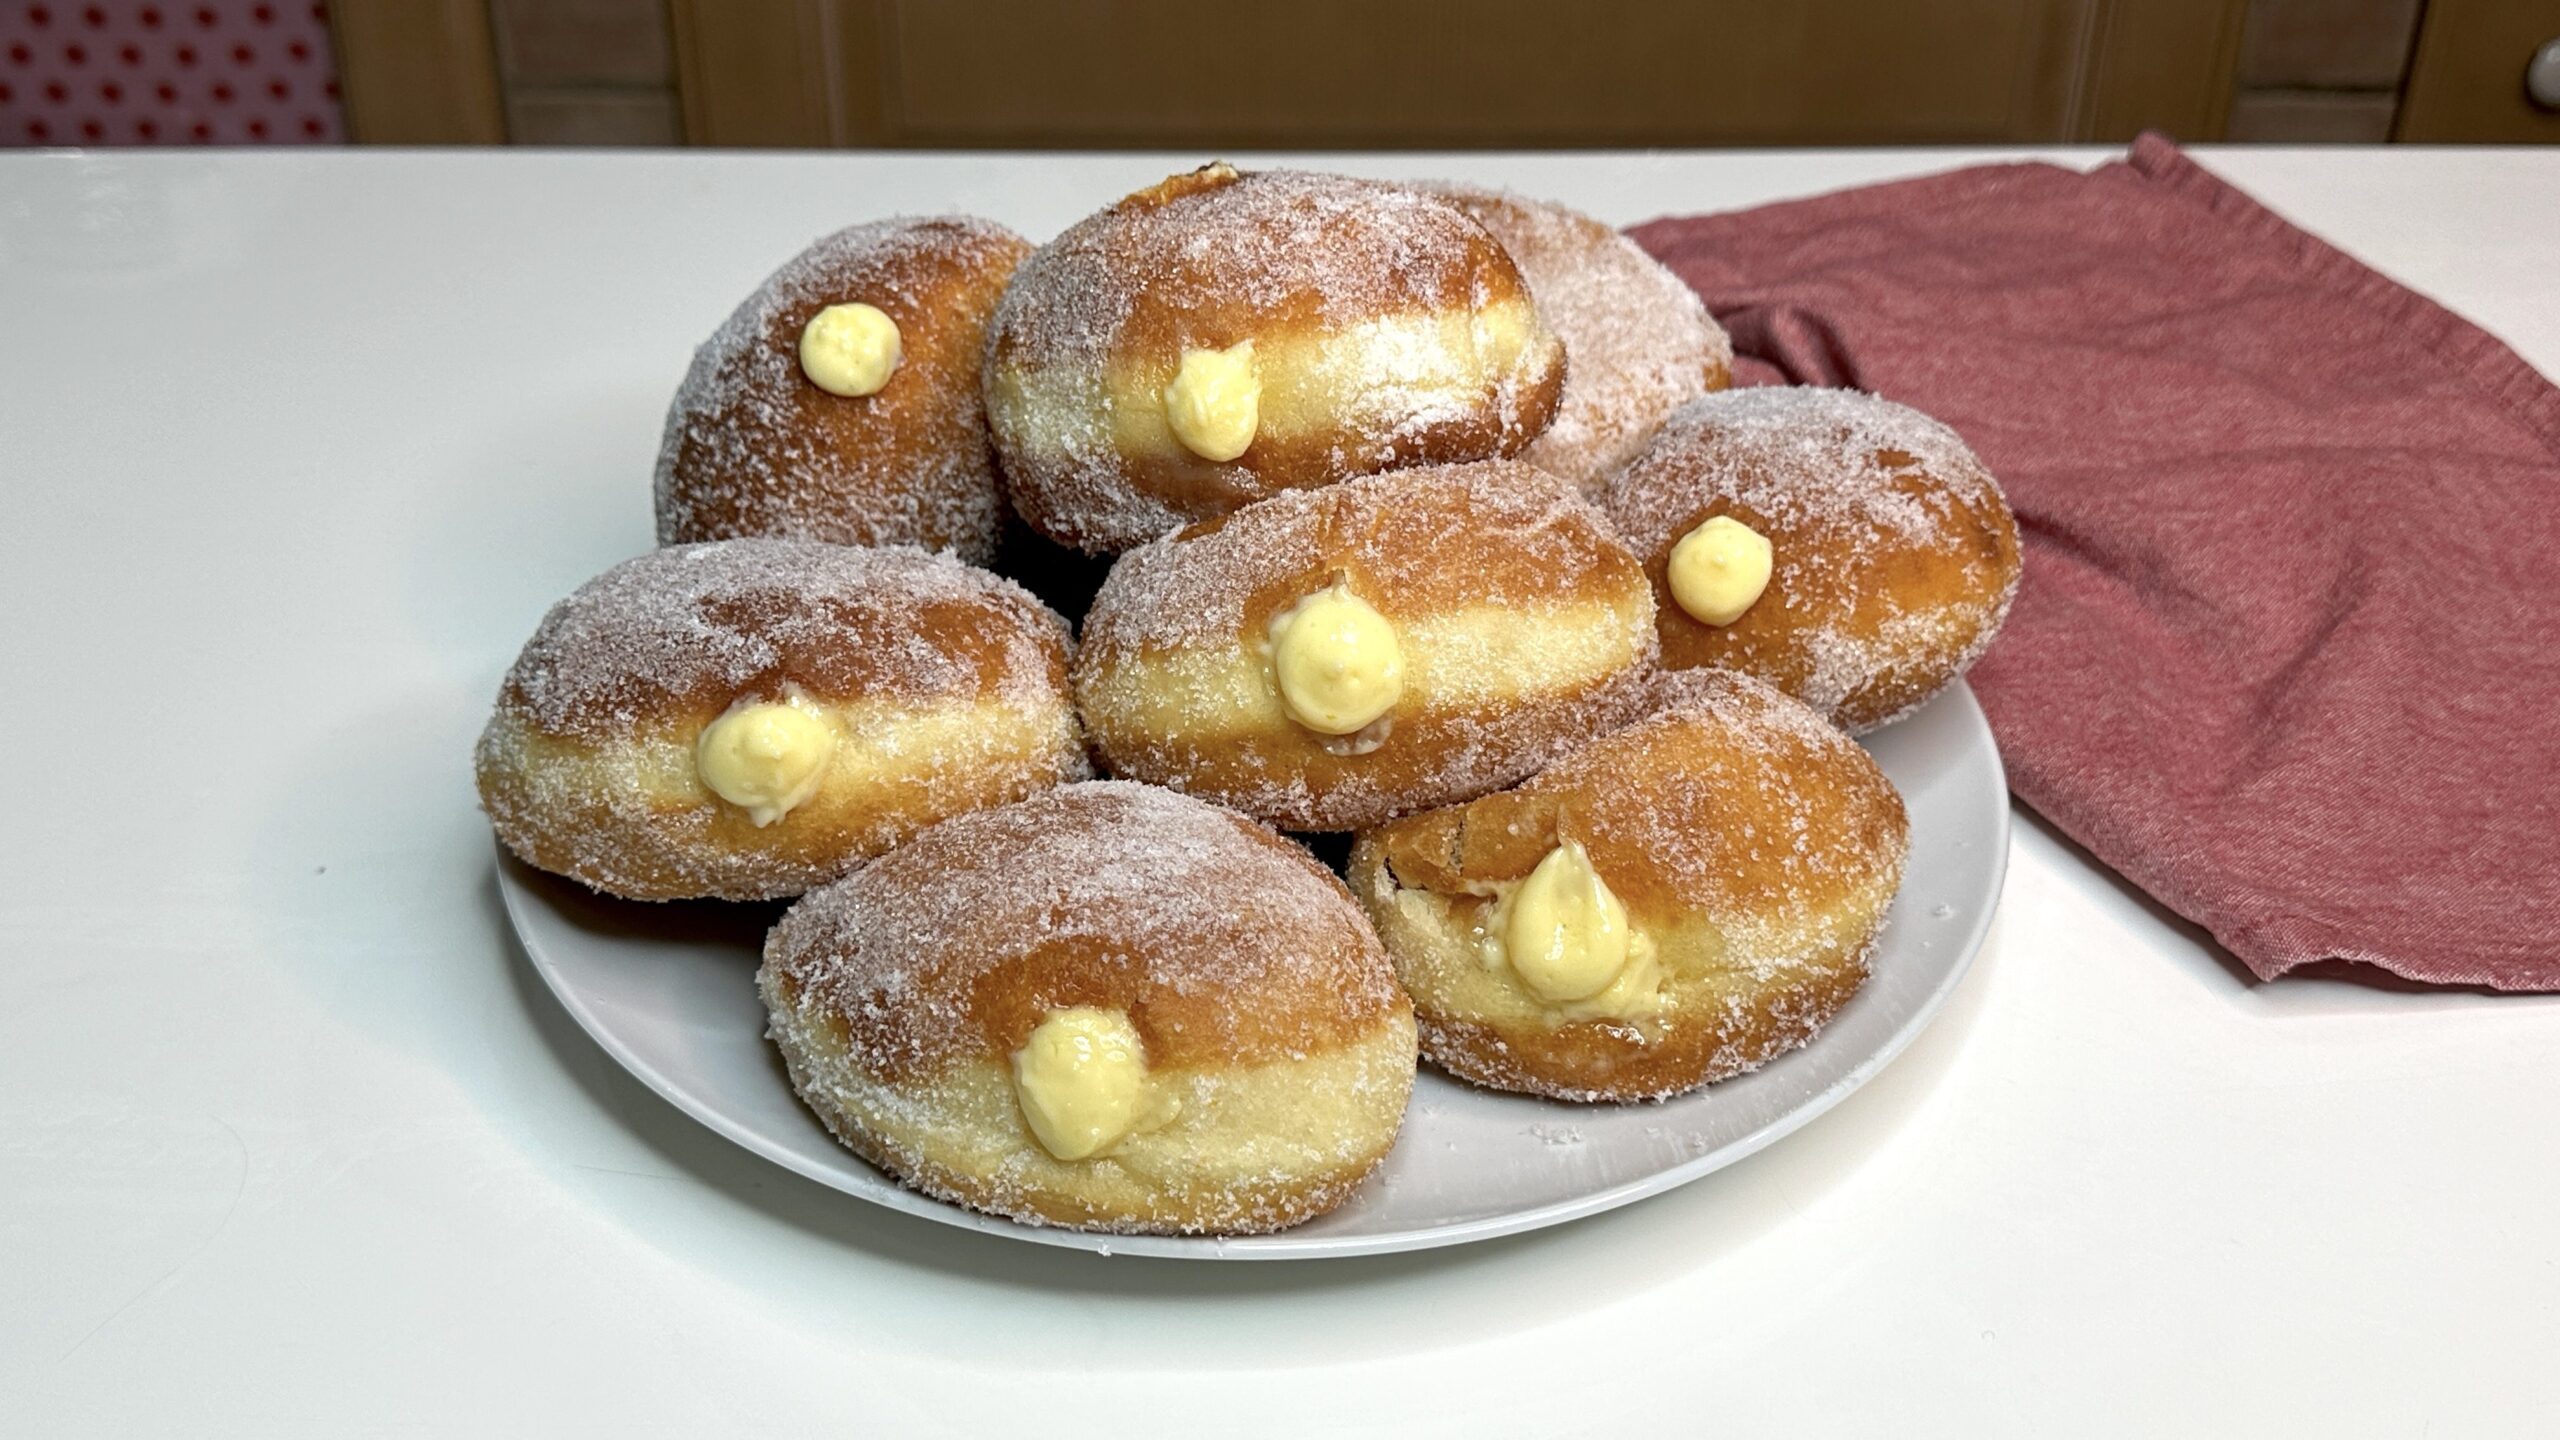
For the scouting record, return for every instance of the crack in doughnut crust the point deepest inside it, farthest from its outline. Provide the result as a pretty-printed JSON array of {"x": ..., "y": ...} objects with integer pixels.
[
  {"x": 1895, "y": 553},
  {"x": 754, "y": 447},
  {"x": 1388, "y": 330},
  {"x": 1754, "y": 846},
  {"x": 1641, "y": 340},
  {"x": 1278, "y": 1046},
  {"x": 1525, "y": 627},
  {"x": 943, "y": 687}
]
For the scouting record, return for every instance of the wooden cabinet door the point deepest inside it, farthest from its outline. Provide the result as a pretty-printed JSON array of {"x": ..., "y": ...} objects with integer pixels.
[{"x": 2467, "y": 79}]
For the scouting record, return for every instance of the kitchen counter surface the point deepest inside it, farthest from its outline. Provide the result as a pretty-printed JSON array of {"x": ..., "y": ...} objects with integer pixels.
[{"x": 295, "y": 450}]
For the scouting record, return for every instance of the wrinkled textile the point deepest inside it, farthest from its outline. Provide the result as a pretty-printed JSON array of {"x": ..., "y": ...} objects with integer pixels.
[{"x": 2287, "y": 649}]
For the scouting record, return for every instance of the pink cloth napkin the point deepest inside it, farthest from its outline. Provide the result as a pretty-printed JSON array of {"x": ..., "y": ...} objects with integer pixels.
[{"x": 2287, "y": 650}]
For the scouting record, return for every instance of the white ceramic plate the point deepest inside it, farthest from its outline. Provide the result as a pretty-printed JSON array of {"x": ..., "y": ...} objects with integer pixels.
[{"x": 669, "y": 990}]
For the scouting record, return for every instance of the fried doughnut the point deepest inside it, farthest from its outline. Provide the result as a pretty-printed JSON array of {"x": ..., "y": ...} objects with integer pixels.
[
  {"x": 1327, "y": 658},
  {"x": 1676, "y": 903},
  {"x": 841, "y": 401},
  {"x": 744, "y": 719},
  {"x": 1225, "y": 336},
  {"x": 1640, "y": 340},
  {"x": 1848, "y": 550},
  {"x": 1108, "y": 1007}
]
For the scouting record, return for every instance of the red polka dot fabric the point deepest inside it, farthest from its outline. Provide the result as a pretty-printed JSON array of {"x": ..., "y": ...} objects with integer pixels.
[{"x": 149, "y": 72}]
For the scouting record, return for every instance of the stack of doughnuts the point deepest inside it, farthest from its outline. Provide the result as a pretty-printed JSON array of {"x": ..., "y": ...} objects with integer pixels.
[{"x": 1428, "y": 518}]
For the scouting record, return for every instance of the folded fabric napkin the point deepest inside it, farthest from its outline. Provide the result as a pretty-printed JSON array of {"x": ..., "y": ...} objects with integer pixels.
[{"x": 2287, "y": 649}]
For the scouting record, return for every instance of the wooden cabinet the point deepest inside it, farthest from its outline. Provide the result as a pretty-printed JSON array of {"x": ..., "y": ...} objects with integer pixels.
[
  {"x": 2467, "y": 81},
  {"x": 1187, "y": 75}
]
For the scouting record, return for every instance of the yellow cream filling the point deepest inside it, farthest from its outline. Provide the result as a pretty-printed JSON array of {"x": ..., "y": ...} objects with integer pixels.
[
  {"x": 1215, "y": 402},
  {"x": 765, "y": 757},
  {"x": 1719, "y": 570},
  {"x": 850, "y": 349},
  {"x": 1479, "y": 974},
  {"x": 1081, "y": 1079},
  {"x": 1563, "y": 933},
  {"x": 1336, "y": 661}
]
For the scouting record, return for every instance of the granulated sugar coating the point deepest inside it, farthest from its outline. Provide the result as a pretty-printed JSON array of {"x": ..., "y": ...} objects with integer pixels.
[
  {"x": 1524, "y": 627},
  {"x": 1389, "y": 330},
  {"x": 1894, "y": 559},
  {"x": 1640, "y": 340},
  {"x": 1822, "y": 816},
  {"x": 1278, "y": 1047},
  {"x": 941, "y": 689},
  {"x": 753, "y": 447},
  {"x": 692, "y": 625},
  {"x": 1757, "y": 716}
]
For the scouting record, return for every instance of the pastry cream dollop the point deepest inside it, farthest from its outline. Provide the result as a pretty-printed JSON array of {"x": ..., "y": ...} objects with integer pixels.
[
  {"x": 850, "y": 349},
  {"x": 1080, "y": 1078},
  {"x": 764, "y": 757},
  {"x": 1566, "y": 935},
  {"x": 1337, "y": 661},
  {"x": 1215, "y": 402},
  {"x": 1718, "y": 570}
]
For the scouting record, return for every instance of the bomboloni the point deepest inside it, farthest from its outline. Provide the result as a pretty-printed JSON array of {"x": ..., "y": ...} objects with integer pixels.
[
  {"x": 1848, "y": 550},
  {"x": 1327, "y": 658},
  {"x": 744, "y": 719},
  {"x": 841, "y": 400},
  {"x": 1226, "y": 336},
  {"x": 1678, "y": 902},
  {"x": 1108, "y": 1007}
]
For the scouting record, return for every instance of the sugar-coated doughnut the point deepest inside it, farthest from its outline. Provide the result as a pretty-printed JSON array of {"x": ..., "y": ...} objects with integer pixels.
[
  {"x": 1640, "y": 341},
  {"x": 1848, "y": 550},
  {"x": 1225, "y": 336},
  {"x": 744, "y": 719},
  {"x": 1675, "y": 903},
  {"x": 1327, "y": 658},
  {"x": 841, "y": 400},
  {"x": 1108, "y": 1007}
]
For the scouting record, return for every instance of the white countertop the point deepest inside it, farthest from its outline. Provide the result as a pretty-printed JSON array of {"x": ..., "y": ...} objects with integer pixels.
[{"x": 294, "y": 450}]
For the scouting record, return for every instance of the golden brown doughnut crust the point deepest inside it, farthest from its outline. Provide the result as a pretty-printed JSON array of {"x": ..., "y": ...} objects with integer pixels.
[
  {"x": 586, "y": 769},
  {"x": 1229, "y": 948},
  {"x": 753, "y": 447},
  {"x": 1757, "y": 844},
  {"x": 1895, "y": 557},
  {"x": 1508, "y": 552},
  {"x": 1097, "y": 320},
  {"x": 1641, "y": 341},
  {"x": 1225, "y": 943}
]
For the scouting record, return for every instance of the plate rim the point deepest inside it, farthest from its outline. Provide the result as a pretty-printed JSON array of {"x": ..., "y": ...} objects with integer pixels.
[{"x": 1292, "y": 1245}]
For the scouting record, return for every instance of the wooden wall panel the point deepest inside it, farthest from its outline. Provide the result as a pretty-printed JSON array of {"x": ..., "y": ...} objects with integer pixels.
[
  {"x": 1481, "y": 72},
  {"x": 1414, "y": 73}
]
